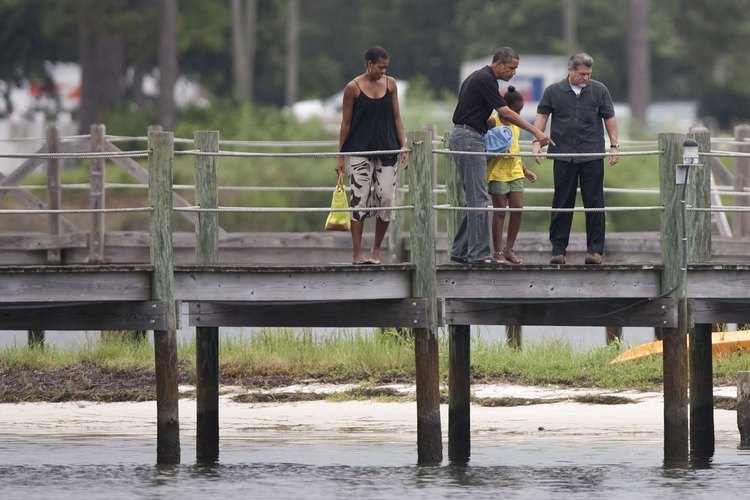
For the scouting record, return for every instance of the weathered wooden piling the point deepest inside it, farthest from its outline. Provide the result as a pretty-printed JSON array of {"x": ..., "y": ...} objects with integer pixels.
[
  {"x": 459, "y": 344},
  {"x": 743, "y": 408},
  {"x": 675, "y": 361},
  {"x": 701, "y": 361},
  {"x": 207, "y": 337},
  {"x": 161, "y": 147},
  {"x": 612, "y": 334},
  {"x": 459, "y": 393},
  {"x": 35, "y": 338},
  {"x": 677, "y": 249},
  {"x": 702, "y": 440},
  {"x": 513, "y": 335},
  {"x": 429, "y": 434}
]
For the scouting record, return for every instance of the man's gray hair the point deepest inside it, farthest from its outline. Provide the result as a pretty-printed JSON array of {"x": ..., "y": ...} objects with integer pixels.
[
  {"x": 505, "y": 55},
  {"x": 580, "y": 59}
]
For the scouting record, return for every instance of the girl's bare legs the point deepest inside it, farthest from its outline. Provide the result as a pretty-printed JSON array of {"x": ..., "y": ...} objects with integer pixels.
[
  {"x": 515, "y": 200},
  {"x": 498, "y": 221}
]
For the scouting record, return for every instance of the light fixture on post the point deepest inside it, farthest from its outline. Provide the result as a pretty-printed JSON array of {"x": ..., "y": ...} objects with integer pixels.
[{"x": 689, "y": 157}]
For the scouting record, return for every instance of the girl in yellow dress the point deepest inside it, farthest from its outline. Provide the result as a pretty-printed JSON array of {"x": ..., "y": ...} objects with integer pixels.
[{"x": 505, "y": 175}]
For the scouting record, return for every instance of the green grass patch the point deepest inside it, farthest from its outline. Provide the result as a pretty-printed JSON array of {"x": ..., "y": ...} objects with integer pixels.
[{"x": 275, "y": 357}]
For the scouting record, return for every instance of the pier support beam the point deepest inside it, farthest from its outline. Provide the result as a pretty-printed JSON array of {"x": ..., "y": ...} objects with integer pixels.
[
  {"x": 743, "y": 409},
  {"x": 459, "y": 369},
  {"x": 161, "y": 145},
  {"x": 702, "y": 439},
  {"x": 675, "y": 367},
  {"x": 429, "y": 434},
  {"x": 207, "y": 337},
  {"x": 459, "y": 394}
]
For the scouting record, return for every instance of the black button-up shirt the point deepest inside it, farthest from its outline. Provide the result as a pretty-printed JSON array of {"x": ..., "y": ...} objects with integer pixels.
[
  {"x": 478, "y": 97},
  {"x": 577, "y": 125}
]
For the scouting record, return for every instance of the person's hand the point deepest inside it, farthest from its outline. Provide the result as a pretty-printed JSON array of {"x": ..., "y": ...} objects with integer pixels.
[
  {"x": 340, "y": 167},
  {"x": 615, "y": 156},
  {"x": 540, "y": 139},
  {"x": 543, "y": 140},
  {"x": 531, "y": 176},
  {"x": 405, "y": 160},
  {"x": 536, "y": 148}
]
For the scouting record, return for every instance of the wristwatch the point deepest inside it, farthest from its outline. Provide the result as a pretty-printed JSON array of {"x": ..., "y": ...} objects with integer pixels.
[{"x": 616, "y": 146}]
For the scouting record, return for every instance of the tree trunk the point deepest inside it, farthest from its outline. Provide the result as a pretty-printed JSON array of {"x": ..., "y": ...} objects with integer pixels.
[
  {"x": 102, "y": 60},
  {"x": 292, "y": 53},
  {"x": 244, "y": 18},
  {"x": 570, "y": 27},
  {"x": 168, "y": 70},
  {"x": 639, "y": 62}
]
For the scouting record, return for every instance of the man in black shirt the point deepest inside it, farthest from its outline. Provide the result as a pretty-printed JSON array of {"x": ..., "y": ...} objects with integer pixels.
[
  {"x": 578, "y": 106},
  {"x": 478, "y": 97}
]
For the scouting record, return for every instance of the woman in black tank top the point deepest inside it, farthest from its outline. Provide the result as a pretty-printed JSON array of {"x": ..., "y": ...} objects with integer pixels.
[{"x": 371, "y": 122}]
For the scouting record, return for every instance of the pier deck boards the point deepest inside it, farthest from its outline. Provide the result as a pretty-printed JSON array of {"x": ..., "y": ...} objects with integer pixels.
[{"x": 116, "y": 296}]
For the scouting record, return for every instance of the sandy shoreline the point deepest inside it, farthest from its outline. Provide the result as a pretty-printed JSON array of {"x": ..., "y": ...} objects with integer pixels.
[{"x": 641, "y": 421}]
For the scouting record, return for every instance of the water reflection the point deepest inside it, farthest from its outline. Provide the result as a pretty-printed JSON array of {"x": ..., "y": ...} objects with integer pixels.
[{"x": 123, "y": 468}]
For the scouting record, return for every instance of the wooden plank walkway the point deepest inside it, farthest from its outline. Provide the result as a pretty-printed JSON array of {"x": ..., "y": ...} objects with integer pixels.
[{"x": 341, "y": 295}]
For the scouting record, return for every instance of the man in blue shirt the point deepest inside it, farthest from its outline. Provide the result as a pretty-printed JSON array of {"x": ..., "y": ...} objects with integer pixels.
[{"x": 579, "y": 106}]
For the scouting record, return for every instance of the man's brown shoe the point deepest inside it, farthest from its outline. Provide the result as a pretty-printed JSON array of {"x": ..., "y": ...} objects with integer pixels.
[
  {"x": 557, "y": 259},
  {"x": 594, "y": 258}
]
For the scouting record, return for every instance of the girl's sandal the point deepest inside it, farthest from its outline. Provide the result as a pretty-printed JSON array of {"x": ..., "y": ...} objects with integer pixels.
[
  {"x": 499, "y": 258},
  {"x": 511, "y": 257}
]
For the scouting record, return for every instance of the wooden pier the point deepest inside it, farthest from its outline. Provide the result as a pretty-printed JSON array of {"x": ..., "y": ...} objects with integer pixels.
[{"x": 422, "y": 294}]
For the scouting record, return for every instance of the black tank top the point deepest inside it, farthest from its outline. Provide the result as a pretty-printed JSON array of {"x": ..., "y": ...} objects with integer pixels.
[{"x": 373, "y": 126}]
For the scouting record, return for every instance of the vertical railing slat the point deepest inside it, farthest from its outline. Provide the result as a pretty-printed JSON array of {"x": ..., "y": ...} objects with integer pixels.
[{"x": 97, "y": 195}]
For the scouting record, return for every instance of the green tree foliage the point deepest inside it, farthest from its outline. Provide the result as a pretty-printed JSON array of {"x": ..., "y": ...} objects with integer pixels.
[
  {"x": 698, "y": 48},
  {"x": 25, "y": 42},
  {"x": 715, "y": 56}
]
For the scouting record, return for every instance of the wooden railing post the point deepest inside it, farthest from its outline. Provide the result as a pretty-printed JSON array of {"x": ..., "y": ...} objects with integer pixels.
[
  {"x": 161, "y": 147},
  {"x": 741, "y": 220},
  {"x": 429, "y": 436},
  {"x": 54, "y": 195},
  {"x": 207, "y": 337},
  {"x": 97, "y": 195},
  {"x": 396, "y": 227},
  {"x": 455, "y": 195}
]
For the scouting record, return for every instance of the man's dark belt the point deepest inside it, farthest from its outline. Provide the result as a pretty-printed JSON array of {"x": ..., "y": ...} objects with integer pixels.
[{"x": 467, "y": 127}]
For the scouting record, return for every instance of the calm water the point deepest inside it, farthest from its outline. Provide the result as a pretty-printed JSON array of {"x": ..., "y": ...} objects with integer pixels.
[{"x": 124, "y": 468}]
